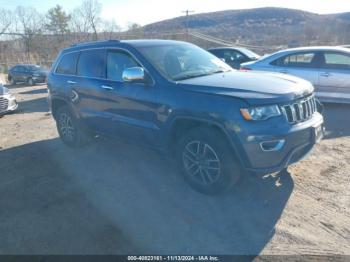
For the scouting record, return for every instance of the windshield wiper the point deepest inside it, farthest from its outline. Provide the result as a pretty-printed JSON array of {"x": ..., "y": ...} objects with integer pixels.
[
  {"x": 199, "y": 75},
  {"x": 218, "y": 71},
  {"x": 188, "y": 77}
]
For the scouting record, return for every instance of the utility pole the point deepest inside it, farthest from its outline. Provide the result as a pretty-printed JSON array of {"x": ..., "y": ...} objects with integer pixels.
[{"x": 187, "y": 12}]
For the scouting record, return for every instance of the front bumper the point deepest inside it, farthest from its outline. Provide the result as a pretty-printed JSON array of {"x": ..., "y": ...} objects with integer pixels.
[
  {"x": 39, "y": 79},
  {"x": 8, "y": 103},
  {"x": 295, "y": 143}
]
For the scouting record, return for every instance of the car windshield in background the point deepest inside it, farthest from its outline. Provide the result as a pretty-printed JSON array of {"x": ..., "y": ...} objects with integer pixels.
[
  {"x": 34, "y": 68},
  {"x": 250, "y": 54},
  {"x": 183, "y": 61}
]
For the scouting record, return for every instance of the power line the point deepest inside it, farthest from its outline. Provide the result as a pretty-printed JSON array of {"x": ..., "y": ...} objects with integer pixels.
[
  {"x": 225, "y": 42},
  {"x": 187, "y": 12}
]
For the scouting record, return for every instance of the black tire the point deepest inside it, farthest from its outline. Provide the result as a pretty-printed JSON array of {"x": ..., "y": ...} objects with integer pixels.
[
  {"x": 12, "y": 81},
  {"x": 30, "y": 81},
  {"x": 208, "y": 176},
  {"x": 69, "y": 128}
]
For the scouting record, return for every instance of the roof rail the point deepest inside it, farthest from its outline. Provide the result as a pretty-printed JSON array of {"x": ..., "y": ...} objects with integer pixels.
[{"x": 95, "y": 42}]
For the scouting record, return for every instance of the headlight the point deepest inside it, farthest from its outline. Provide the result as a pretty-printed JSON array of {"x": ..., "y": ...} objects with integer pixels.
[
  {"x": 260, "y": 113},
  {"x": 5, "y": 90}
]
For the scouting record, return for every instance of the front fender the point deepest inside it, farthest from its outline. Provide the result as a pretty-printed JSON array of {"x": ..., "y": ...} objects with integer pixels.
[{"x": 196, "y": 121}]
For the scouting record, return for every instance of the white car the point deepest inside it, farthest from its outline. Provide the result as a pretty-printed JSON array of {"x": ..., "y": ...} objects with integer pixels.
[
  {"x": 327, "y": 68},
  {"x": 8, "y": 101}
]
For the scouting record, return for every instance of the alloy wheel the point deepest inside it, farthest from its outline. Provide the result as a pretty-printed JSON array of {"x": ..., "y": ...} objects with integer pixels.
[
  {"x": 201, "y": 163},
  {"x": 66, "y": 127}
]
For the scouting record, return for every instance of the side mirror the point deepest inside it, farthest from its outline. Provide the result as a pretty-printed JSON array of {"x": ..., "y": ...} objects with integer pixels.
[{"x": 134, "y": 74}]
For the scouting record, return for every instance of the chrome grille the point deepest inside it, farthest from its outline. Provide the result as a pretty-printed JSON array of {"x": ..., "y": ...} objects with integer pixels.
[
  {"x": 300, "y": 110},
  {"x": 3, "y": 104}
]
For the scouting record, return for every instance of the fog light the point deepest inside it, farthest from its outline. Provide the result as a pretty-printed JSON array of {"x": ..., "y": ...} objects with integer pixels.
[{"x": 274, "y": 145}]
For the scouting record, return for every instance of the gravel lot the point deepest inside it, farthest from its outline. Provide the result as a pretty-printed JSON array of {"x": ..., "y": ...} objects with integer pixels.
[{"x": 114, "y": 198}]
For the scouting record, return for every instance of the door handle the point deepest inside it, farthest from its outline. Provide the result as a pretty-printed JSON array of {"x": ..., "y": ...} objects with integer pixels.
[
  {"x": 326, "y": 74},
  {"x": 71, "y": 82},
  {"x": 107, "y": 87},
  {"x": 284, "y": 71}
]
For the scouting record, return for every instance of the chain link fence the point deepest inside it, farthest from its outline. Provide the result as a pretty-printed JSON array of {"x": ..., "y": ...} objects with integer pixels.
[{"x": 45, "y": 48}]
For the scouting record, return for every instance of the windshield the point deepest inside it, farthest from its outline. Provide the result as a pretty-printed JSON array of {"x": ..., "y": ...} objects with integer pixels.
[
  {"x": 250, "y": 53},
  {"x": 34, "y": 68},
  {"x": 183, "y": 61}
]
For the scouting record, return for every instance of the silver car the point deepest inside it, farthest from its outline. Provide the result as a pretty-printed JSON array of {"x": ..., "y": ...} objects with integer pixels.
[
  {"x": 8, "y": 101},
  {"x": 327, "y": 68}
]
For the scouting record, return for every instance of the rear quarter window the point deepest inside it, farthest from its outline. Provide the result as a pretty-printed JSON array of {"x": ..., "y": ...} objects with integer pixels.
[{"x": 68, "y": 64}]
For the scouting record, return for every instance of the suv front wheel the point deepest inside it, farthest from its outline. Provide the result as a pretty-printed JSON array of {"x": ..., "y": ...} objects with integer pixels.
[
  {"x": 207, "y": 161},
  {"x": 69, "y": 128}
]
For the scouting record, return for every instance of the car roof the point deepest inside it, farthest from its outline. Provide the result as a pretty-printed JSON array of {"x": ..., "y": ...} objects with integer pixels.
[
  {"x": 226, "y": 47},
  {"x": 26, "y": 65},
  {"x": 151, "y": 42},
  {"x": 243, "y": 50},
  {"x": 134, "y": 43},
  {"x": 315, "y": 48}
]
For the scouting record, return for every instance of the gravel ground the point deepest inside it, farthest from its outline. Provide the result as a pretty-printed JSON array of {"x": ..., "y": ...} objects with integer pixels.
[{"x": 114, "y": 198}]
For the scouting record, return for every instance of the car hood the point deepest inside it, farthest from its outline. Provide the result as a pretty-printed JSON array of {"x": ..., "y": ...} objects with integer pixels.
[{"x": 254, "y": 87}]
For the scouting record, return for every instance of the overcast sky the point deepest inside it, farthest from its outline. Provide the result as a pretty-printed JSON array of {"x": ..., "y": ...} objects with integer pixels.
[{"x": 148, "y": 11}]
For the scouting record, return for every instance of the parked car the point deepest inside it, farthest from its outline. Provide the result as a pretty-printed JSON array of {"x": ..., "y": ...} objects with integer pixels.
[
  {"x": 234, "y": 56},
  {"x": 327, "y": 68},
  {"x": 30, "y": 74},
  {"x": 8, "y": 101},
  {"x": 218, "y": 123}
]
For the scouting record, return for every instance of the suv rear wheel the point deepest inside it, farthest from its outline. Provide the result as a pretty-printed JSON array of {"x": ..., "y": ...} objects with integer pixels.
[
  {"x": 69, "y": 128},
  {"x": 207, "y": 161},
  {"x": 30, "y": 81}
]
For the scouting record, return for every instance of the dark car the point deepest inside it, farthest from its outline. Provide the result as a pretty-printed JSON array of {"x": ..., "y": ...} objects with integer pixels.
[
  {"x": 217, "y": 123},
  {"x": 234, "y": 56},
  {"x": 30, "y": 74}
]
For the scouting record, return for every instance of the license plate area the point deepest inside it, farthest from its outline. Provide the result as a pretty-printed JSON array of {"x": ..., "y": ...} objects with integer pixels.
[{"x": 317, "y": 133}]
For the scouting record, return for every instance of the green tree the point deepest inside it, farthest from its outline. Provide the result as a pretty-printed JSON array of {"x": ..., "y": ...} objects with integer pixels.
[
  {"x": 134, "y": 26},
  {"x": 57, "y": 20}
]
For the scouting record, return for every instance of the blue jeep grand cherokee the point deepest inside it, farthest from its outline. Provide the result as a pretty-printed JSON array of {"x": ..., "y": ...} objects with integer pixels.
[{"x": 217, "y": 122}]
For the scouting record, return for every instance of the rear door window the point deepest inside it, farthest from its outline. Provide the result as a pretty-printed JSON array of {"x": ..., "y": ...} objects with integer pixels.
[
  {"x": 68, "y": 63},
  {"x": 92, "y": 63},
  {"x": 296, "y": 60}
]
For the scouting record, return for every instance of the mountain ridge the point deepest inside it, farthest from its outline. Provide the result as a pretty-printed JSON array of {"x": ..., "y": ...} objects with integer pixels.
[{"x": 264, "y": 26}]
